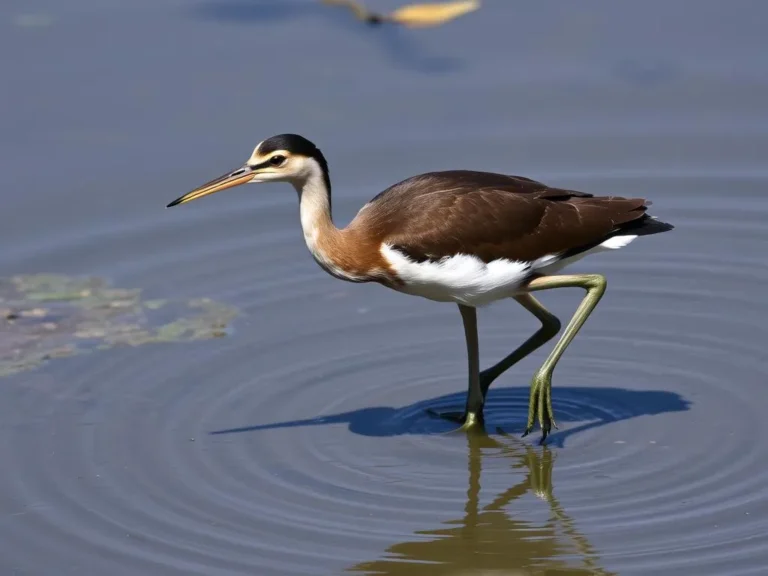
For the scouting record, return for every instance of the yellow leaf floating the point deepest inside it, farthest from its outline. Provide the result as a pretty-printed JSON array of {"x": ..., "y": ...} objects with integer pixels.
[{"x": 424, "y": 15}]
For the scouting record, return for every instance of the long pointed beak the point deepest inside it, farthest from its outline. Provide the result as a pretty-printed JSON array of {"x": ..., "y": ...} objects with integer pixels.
[{"x": 229, "y": 180}]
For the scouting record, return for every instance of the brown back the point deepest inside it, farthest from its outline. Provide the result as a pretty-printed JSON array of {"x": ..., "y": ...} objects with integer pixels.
[{"x": 492, "y": 216}]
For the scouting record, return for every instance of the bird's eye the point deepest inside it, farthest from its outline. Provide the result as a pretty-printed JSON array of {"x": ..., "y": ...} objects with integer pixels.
[{"x": 277, "y": 160}]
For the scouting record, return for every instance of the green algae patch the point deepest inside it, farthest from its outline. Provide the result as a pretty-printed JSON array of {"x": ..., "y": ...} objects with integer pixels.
[{"x": 46, "y": 316}]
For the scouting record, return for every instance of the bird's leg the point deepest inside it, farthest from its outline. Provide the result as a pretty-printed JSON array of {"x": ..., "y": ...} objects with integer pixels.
[
  {"x": 550, "y": 326},
  {"x": 473, "y": 413},
  {"x": 540, "y": 404}
]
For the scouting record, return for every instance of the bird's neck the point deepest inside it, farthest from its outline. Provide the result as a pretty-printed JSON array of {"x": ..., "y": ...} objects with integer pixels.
[
  {"x": 347, "y": 253},
  {"x": 315, "y": 206},
  {"x": 327, "y": 243}
]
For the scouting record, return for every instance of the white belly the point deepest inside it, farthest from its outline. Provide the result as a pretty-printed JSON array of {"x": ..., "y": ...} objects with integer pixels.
[
  {"x": 465, "y": 279},
  {"x": 462, "y": 279}
]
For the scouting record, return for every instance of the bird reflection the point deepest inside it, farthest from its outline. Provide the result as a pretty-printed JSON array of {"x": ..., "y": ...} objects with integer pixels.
[{"x": 489, "y": 541}]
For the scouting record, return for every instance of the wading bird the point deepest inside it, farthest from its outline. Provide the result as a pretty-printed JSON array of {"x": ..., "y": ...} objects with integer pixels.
[{"x": 458, "y": 236}]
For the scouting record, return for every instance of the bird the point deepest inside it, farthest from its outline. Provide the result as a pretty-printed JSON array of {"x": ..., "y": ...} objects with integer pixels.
[{"x": 466, "y": 237}]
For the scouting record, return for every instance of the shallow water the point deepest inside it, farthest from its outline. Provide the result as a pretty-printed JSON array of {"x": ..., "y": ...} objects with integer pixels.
[{"x": 298, "y": 444}]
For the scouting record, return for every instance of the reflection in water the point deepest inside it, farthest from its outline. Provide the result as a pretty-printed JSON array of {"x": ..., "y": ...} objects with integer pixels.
[{"x": 488, "y": 541}]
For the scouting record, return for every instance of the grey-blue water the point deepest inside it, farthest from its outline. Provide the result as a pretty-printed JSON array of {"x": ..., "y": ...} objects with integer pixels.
[{"x": 324, "y": 462}]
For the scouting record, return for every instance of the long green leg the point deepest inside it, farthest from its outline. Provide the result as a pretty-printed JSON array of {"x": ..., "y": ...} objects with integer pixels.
[
  {"x": 473, "y": 414},
  {"x": 550, "y": 326},
  {"x": 475, "y": 397},
  {"x": 541, "y": 386}
]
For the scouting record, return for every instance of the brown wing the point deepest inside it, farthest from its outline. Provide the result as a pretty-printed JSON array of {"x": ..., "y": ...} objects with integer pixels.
[{"x": 493, "y": 216}]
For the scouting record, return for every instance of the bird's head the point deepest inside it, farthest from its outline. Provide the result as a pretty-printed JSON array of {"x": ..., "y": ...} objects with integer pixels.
[{"x": 282, "y": 158}]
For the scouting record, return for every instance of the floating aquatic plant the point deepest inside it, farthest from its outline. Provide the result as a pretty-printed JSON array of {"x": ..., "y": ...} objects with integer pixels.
[{"x": 50, "y": 316}]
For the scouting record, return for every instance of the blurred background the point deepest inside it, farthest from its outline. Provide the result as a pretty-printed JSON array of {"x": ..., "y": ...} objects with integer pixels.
[{"x": 186, "y": 392}]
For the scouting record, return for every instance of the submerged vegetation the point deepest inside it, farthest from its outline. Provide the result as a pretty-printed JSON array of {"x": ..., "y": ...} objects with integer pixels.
[{"x": 52, "y": 316}]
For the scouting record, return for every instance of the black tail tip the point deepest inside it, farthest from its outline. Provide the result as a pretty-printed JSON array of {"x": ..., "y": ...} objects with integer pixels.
[
  {"x": 650, "y": 225},
  {"x": 663, "y": 226}
]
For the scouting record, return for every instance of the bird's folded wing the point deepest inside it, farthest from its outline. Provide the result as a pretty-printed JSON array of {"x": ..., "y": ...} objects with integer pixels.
[{"x": 507, "y": 217}]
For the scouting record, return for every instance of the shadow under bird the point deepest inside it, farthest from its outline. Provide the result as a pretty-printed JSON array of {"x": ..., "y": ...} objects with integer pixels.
[{"x": 459, "y": 236}]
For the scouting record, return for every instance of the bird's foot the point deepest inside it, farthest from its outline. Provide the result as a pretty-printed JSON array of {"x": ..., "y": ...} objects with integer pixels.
[
  {"x": 450, "y": 416},
  {"x": 540, "y": 406},
  {"x": 470, "y": 421}
]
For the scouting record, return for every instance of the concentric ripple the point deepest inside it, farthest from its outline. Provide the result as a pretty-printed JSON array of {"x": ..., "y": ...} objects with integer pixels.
[{"x": 300, "y": 443}]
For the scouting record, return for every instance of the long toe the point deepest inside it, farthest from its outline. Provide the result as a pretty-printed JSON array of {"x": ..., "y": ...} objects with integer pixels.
[
  {"x": 459, "y": 417},
  {"x": 533, "y": 402},
  {"x": 540, "y": 408},
  {"x": 548, "y": 410},
  {"x": 472, "y": 422}
]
